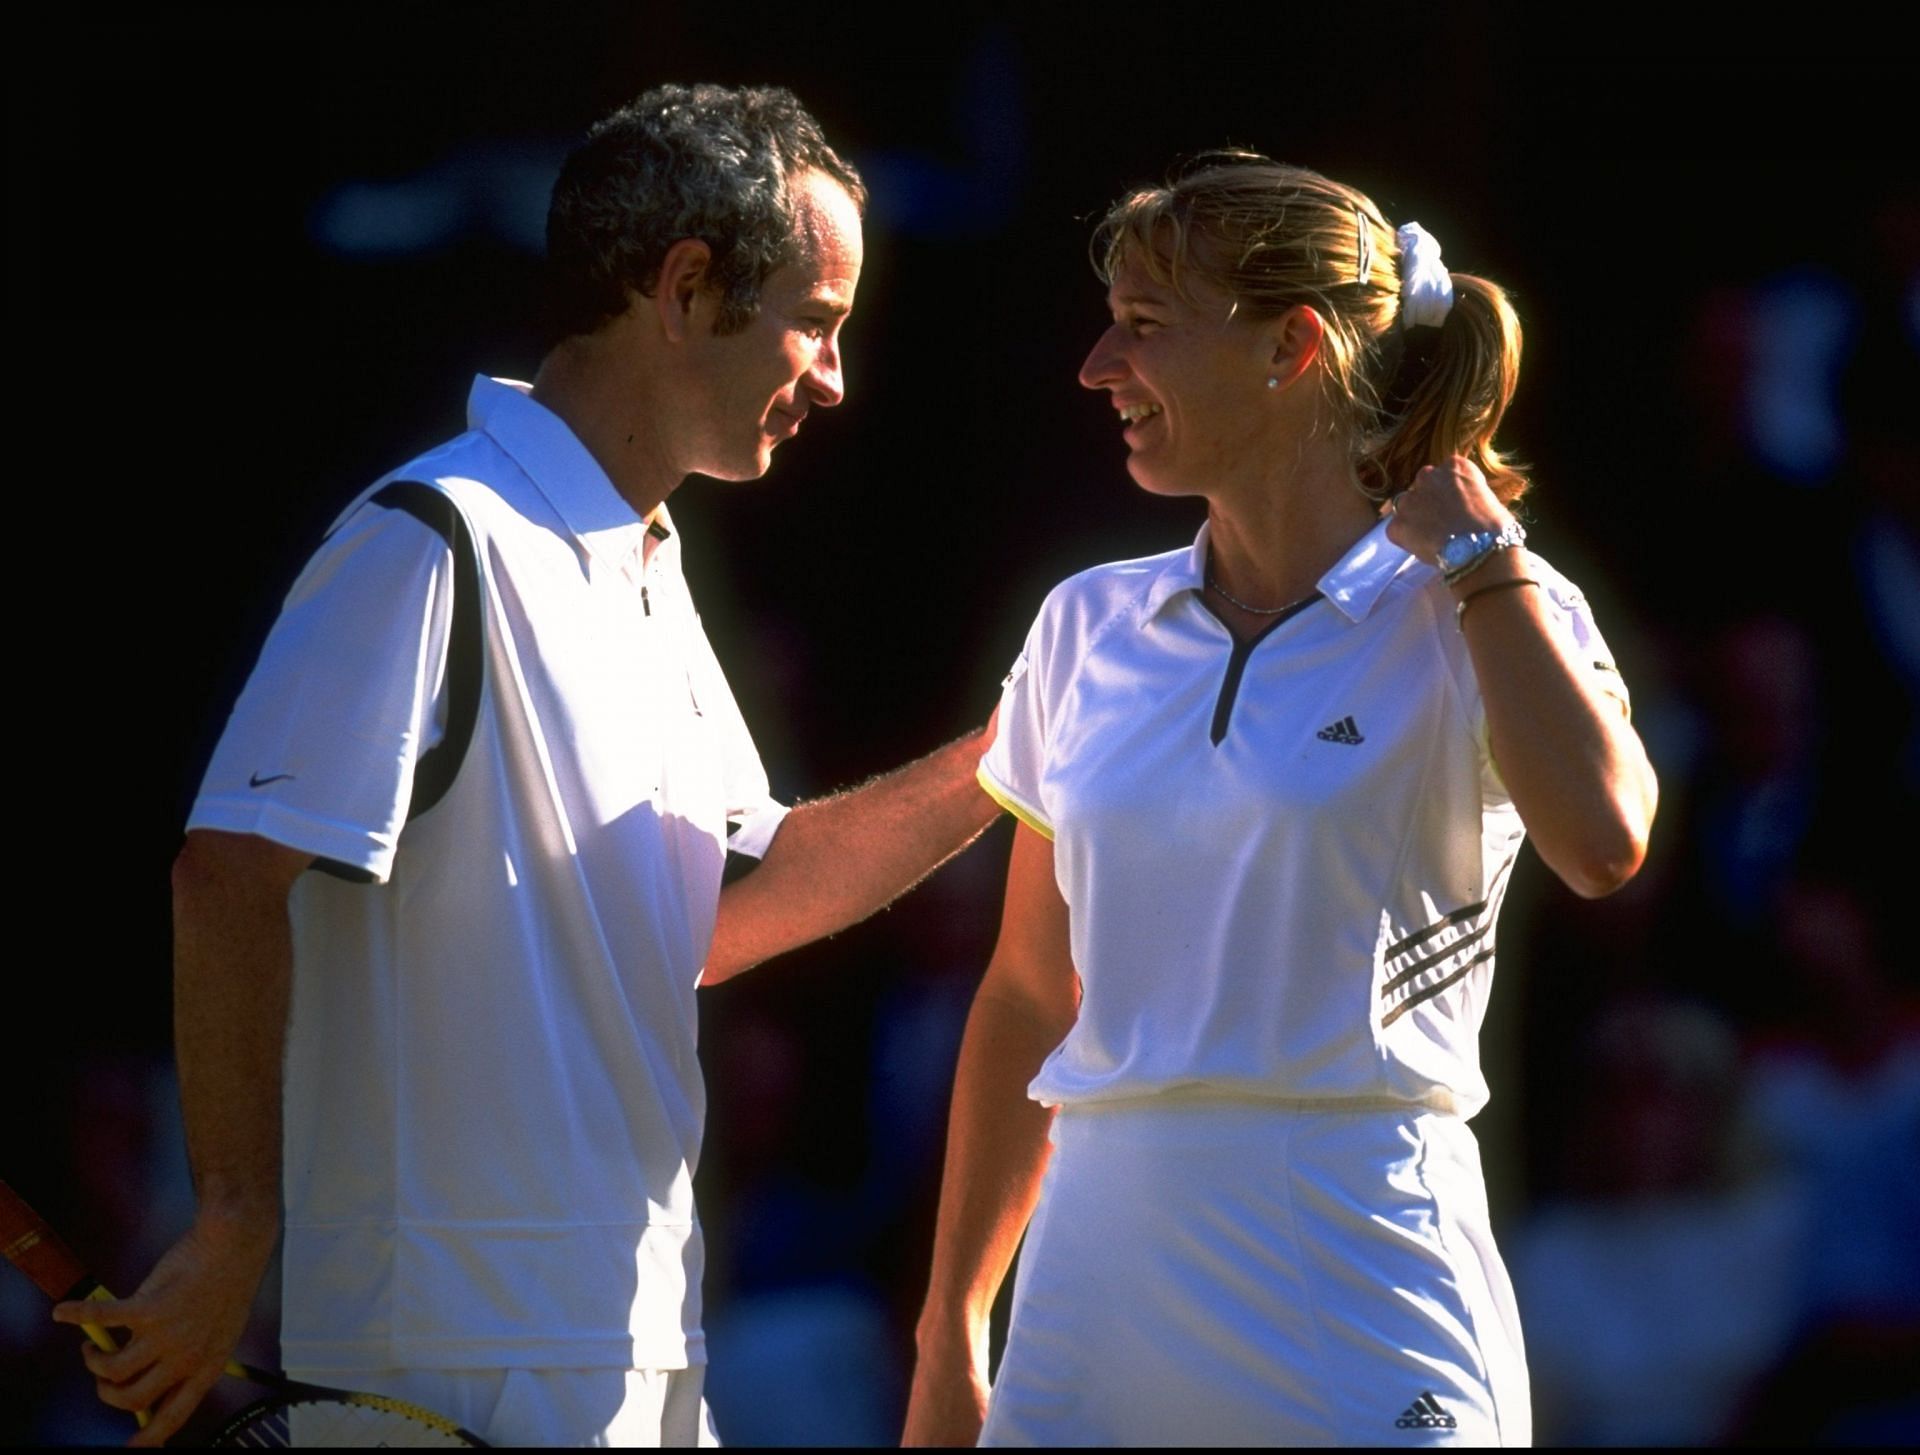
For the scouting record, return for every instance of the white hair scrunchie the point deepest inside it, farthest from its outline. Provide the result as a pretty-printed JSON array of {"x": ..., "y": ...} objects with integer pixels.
[{"x": 1426, "y": 287}]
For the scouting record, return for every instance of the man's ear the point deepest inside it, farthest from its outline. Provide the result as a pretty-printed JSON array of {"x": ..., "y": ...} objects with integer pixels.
[
  {"x": 1294, "y": 340},
  {"x": 683, "y": 294}
]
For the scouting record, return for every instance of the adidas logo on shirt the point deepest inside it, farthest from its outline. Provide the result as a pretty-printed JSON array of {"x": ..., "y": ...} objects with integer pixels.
[
  {"x": 1425, "y": 1412},
  {"x": 1343, "y": 731}
]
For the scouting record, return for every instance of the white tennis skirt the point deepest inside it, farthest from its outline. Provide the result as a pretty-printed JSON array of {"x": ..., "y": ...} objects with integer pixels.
[{"x": 1215, "y": 1272}]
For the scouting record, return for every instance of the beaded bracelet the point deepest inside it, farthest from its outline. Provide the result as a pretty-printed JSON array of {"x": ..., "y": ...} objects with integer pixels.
[{"x": 1460, "y": 610}]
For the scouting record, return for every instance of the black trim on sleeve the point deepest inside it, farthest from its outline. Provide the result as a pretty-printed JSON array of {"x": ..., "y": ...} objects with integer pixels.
[
  {"x": 352, "y": 873},
  {"x": 435, "y": 769},
  {"x": 434, "y": 772}
]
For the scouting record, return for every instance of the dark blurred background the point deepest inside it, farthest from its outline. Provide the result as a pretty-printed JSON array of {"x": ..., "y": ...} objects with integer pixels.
[{"x": 258, "y": 254}]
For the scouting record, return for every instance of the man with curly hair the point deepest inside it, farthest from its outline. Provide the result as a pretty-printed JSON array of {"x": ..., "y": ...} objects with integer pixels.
[{"x": 455, "y": 869}]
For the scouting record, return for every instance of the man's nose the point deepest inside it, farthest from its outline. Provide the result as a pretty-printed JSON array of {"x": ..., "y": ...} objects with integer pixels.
[{"x": 825, "y": 382}]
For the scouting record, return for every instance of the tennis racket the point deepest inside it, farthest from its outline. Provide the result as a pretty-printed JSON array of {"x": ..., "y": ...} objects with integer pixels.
[{"x": 291, "y": 1413}]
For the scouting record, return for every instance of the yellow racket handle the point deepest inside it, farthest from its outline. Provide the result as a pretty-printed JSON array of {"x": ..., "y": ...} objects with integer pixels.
[{"x": 103, "y": 1340}]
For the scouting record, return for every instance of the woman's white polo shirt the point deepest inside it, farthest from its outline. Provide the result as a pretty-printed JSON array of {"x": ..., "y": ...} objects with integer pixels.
[{"x": 1283, "y": 860}]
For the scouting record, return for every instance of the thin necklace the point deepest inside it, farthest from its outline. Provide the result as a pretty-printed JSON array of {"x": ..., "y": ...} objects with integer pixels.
[{"x": 1214, "y": 583}]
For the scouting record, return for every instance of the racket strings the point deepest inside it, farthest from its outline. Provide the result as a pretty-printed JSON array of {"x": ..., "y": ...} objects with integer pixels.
[{"x": 341, "y": 1424}]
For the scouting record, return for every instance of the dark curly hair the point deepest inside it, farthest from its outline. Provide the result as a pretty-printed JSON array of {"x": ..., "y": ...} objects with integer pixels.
[{"x": 709, "y": 162}]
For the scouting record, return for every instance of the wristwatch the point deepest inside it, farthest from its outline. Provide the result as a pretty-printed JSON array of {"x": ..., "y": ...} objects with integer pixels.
[{"x": 1460, "y": 554}]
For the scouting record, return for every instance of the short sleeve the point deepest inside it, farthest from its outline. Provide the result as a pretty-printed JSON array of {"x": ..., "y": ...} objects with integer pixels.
[
  {"x": 1575, "y": 619},
  {"x": 753, "y": 814},
  {"x": 320, "y": 748},
  {"x": 1012, "y": 768}
]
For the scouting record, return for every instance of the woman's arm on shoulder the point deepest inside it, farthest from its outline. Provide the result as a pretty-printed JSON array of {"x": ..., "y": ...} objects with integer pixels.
[
  {"x": 1576, "y": 770},
  {"x": 996, "y": 1145}
]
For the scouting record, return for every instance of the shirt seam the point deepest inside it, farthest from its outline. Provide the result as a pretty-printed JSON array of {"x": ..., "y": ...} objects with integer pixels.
[{"x": 1013, "y": 802}]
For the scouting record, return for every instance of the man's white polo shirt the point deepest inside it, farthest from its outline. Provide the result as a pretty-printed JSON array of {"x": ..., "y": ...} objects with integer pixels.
[
  {"x": 493, "y": 1103},
  {"x": 1283, "y": 859}
]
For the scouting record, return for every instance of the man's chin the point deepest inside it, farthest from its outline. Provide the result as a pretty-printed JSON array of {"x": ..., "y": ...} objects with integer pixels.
[{"x": 741, "y": 471}]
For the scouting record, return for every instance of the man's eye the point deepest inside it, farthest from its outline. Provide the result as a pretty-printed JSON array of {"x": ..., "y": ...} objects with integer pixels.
[{"x": 1139, "y": 326}]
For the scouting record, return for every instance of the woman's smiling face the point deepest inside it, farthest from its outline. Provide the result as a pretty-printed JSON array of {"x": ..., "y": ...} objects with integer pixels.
[{"x": 1188, "y": 378}]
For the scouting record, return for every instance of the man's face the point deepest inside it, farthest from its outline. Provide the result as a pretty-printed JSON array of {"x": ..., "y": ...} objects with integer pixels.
[{"x": 760, "y": 383}]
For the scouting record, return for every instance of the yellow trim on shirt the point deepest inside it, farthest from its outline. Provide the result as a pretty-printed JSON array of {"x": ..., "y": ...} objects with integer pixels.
[{"x": 1013, "y": 805}]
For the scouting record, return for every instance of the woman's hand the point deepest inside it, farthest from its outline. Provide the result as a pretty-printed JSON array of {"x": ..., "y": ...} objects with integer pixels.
[
  {"x": 948, "y": 1404},
  {"x": 1443, "y": 500},
  {"x": 997, "y": 1146}
]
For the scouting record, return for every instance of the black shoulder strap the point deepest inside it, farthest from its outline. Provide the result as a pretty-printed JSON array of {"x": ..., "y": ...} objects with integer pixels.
[{"x": 433, "y": 775}]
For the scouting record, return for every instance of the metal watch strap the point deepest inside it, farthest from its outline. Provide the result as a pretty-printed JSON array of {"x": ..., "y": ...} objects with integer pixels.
[{"x": 1510, "y": 535}]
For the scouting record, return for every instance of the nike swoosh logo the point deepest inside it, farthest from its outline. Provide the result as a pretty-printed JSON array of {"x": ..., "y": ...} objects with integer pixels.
[{"x": 256, "y": 781}]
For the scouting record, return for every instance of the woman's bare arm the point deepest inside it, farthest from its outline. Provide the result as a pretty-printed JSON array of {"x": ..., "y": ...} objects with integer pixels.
[
  {"x": 996, "y": 1145},
  {"x": 1575, "y": 767}
]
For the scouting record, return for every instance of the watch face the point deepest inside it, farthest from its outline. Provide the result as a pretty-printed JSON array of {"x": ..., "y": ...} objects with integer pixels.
[{"x": 1456, "y": 551}]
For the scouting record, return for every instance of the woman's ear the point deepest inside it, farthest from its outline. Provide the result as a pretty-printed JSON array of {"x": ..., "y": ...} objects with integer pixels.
[{"x": 1294, "y": 340}]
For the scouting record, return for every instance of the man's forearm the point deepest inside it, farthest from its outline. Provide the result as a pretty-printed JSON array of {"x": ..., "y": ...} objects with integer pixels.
[
  {"x": 837, "y": 860},
  {"x": 233, "y": 961},
  {"x": 233, "y": 964}
]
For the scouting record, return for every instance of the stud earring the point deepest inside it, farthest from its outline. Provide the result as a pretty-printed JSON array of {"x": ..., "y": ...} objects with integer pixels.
[{"x": 1273, "y": 381}]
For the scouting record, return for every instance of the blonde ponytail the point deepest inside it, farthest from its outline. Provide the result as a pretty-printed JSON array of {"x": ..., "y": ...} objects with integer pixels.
[{"x": 1461, "y": 386}]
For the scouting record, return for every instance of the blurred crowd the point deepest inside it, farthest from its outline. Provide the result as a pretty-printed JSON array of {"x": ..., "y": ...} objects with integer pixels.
[{"x": 1722, "y": 1064}]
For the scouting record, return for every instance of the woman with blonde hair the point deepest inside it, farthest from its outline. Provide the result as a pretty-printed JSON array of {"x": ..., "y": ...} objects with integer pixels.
[{"x": 1270, "y": 787}]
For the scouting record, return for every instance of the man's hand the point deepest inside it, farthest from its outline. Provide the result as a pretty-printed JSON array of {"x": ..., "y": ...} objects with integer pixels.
[
  {"x": 232, "y": 982},
  {"x": 181, "y": 1326}
]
